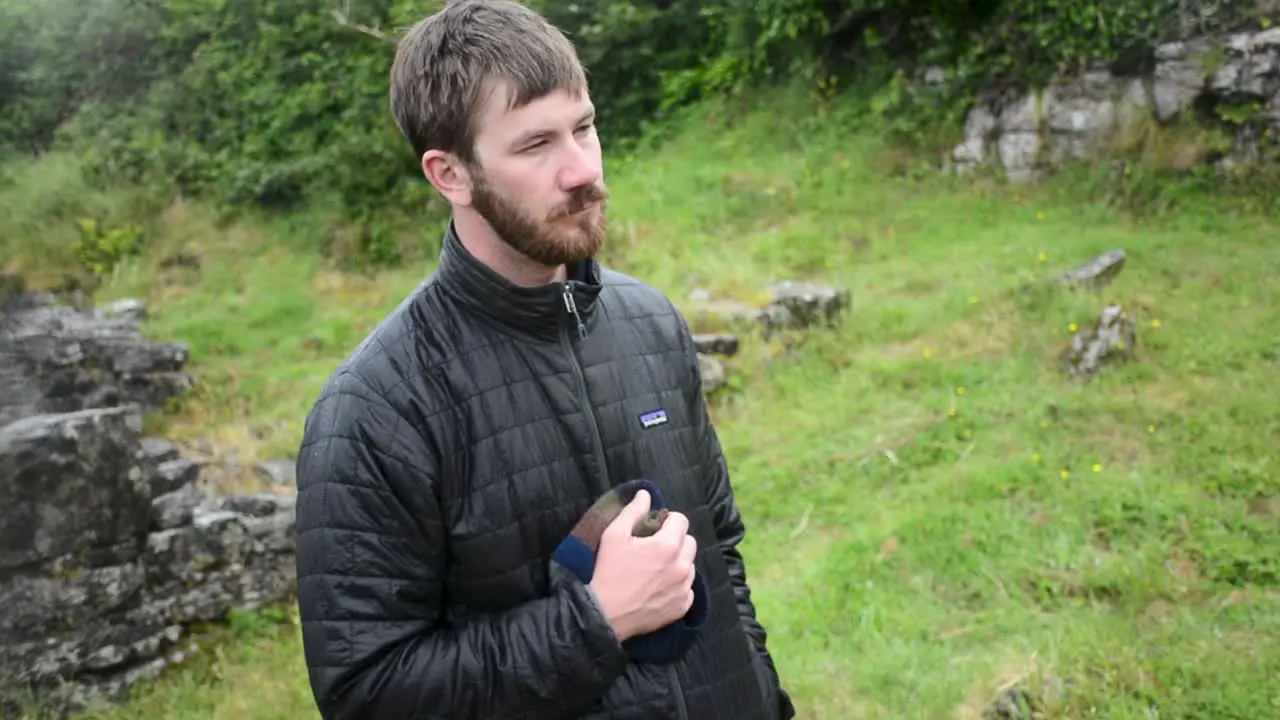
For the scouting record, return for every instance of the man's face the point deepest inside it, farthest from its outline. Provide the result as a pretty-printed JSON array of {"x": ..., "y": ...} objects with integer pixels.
[{"x": 538, "y": 177}]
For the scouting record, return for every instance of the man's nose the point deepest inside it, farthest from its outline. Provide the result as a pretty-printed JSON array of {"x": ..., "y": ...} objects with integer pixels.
[{"x": 580, "y": 168}]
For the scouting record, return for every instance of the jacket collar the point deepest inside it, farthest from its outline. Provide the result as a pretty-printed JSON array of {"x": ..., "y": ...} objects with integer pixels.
[{"x": 543, "y": 311}]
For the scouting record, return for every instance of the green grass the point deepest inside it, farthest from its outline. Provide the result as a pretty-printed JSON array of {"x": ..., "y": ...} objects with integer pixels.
[{"x": 933, "y": 509}]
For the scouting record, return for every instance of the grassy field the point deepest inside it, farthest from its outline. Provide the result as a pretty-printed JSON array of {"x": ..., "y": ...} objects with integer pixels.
[{"x": 934, "y": 511}]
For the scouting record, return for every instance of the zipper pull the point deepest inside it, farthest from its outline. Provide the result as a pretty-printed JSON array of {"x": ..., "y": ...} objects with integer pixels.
[{"x": 572, "y": 306}]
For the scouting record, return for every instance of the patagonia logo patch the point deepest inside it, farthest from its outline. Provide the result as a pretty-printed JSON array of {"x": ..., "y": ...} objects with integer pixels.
[{"x": 653, "y": 419}]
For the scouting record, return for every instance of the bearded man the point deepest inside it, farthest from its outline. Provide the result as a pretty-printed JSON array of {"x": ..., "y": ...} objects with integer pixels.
[{"x": 511, "y": 500}]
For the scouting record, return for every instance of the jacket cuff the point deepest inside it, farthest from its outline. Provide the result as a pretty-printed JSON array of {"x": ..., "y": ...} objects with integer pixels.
[
  {"x": 563, "y": 579},
  {"x": 599, "y": 608}
]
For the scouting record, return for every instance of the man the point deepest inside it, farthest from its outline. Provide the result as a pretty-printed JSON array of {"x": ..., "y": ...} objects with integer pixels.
[{"x": 472, "y": 540}]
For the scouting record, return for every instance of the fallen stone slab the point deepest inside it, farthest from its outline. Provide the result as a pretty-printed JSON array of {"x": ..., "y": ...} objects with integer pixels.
[
  {"x": 1096, "y": 273},
  {"x": 789, "y": 305},
  {"x": 716, "y": 343}
]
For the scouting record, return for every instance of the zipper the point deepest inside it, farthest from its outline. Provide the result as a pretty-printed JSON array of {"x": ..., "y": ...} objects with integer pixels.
[
  {"x": 571, "y": 305},
  {"x": 571, "y": 308}
]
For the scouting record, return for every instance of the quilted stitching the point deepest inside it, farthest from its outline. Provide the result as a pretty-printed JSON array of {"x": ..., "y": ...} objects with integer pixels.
[{"x": 441, "y": 465}]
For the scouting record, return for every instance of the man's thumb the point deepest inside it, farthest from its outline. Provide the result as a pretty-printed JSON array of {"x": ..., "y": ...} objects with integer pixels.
[{"x": 633, "y": 511}]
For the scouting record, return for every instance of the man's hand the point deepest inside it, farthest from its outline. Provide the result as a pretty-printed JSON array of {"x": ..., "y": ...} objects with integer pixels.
[{"x": 644, "y": 583}]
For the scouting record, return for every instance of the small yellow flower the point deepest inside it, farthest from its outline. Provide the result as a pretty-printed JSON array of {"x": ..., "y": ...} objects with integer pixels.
[
  {"x": 927, "y": 353},
  {"x": 1151, "y": 428},
  {"x": 960, "y": 390},
  {"x": 1064, "y": 474},
  {"x": 1155, "y": 323},
  {"x": 1072, "y": 327},
  {"x": 1097, "y": 467},
  {"x": 1040, "y": 257},
  {"x": 1035, "y": 457}
]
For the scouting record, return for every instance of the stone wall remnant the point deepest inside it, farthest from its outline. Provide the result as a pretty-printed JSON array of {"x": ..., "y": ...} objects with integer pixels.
[{"x": 110, "y": 550}]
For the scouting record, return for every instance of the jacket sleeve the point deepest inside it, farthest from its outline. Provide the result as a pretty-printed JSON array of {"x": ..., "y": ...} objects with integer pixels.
[
  {"x": 730, "y": 529},
  {"x": 371, "y": 550}
]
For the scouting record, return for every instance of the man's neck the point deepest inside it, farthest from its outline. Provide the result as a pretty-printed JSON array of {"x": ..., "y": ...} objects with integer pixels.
[{"x": 480, "y": 240}]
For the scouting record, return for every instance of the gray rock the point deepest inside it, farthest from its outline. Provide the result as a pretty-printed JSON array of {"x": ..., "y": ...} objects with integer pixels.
[
  {"x": 69, "y": 483},
  {"x": 1265, "y": 40},
  {"x": 1096, "y": 273},
  {"x": 716, "y": 344},
  {"x": 174, "y": 509},
  {"x": 129, "y": 311},
  {"x": 172, "y": 475},
  {"x": 1111, "y": 339},
  {"x": 1180, "y": 76},
  {"x": 258, "y": 505},
  {"x": 277, "y": 473},
  {"x": 1080, "y": 113},
  {"x": 791, "y": 305},
  {"x": 1250, "y": 69},
  {"x": 1013, "y": 704},
  {"x": 1074, "y": 118},
  {"x": 1018, "y": 153},
  {"x": 156, "y": 450},
  {"x": 799, "y": 305},
  {"x": 1023, "y": 702},
  {"x": 713, "y": 373},
  {"x": 109, "y": 555},
  {"x": 56, "y": 358},
  {"x": 1021, "y": 116},
  {"x": 979, "y": 127}
]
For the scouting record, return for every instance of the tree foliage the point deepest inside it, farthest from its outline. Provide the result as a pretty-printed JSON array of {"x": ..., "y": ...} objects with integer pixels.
[{"x": 271, "y": 105}]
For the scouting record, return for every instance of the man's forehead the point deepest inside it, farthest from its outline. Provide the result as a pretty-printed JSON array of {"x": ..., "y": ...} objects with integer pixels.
[{"x": 498, "y": 109}]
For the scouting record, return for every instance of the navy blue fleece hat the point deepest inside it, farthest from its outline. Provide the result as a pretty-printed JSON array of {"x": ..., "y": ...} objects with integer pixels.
[{"x": 577, "y": 553}]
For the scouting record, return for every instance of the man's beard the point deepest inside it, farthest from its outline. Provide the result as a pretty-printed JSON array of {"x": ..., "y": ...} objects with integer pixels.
[{"x": 541, "y": 240}]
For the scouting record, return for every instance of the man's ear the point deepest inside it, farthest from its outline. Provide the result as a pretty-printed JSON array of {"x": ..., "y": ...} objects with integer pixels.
[{"x": 449, "y": 175}]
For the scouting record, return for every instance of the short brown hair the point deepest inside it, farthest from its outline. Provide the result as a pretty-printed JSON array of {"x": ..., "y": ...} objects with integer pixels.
[{"x": 447, "y": 61}]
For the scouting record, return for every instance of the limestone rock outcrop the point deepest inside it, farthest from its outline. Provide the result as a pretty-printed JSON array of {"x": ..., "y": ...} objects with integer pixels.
[
  {"x": 110, "y": 550},
  {"x": 1075, "y": 118}
]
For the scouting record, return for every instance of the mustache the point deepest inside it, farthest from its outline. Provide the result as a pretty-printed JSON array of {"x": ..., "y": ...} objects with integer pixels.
[{"x": 580, "y": 198}]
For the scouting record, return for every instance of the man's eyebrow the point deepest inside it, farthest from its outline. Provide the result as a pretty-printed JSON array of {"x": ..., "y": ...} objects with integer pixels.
[{"x": 530, "y": 136}]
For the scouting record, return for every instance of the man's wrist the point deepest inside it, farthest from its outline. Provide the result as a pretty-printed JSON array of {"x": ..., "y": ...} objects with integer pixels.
[{"x": 604, "y": 612}]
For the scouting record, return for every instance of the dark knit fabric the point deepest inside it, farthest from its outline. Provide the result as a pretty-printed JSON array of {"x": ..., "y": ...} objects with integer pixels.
[{"x": 577, "y": 553}]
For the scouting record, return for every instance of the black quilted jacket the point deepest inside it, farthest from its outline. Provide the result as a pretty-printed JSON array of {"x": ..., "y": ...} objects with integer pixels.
[{"x": 449, "y": 455}]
